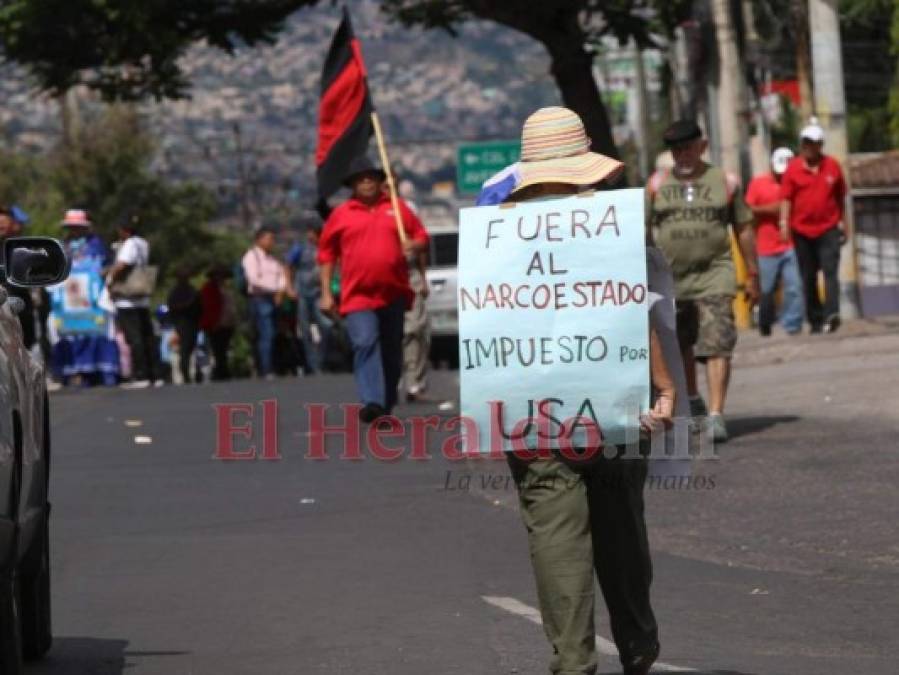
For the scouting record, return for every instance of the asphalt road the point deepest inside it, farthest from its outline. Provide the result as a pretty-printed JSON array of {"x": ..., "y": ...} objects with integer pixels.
[{"x": 166, "y": 560}]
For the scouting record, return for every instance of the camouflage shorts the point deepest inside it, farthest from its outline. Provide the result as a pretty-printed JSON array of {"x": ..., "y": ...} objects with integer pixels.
[{"x": 708, "y": 325}]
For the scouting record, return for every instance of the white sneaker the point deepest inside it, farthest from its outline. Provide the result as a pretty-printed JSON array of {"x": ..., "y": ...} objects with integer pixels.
[
  {"x": 159, "y": 383},
  {"x": 717, "y": 429},
  {"x": 136, "y": 384}
]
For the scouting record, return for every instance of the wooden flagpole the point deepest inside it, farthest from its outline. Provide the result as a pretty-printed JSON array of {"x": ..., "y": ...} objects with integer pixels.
[{"x": 391, "y": 185}]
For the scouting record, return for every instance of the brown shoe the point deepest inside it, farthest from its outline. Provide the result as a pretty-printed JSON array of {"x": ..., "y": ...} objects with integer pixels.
[{"x": 420, "y": 397}]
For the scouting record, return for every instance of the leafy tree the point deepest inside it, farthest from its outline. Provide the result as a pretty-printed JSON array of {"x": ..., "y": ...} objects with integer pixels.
[
  {"x": 106, "y": 170},
  {"x": 894, "y": 92},
  {"x": 129, "y": 49},
  {"x": 566, "y": 28},
  {"x": 25, "y": 181},
  {"x": 868, "y": 77}
]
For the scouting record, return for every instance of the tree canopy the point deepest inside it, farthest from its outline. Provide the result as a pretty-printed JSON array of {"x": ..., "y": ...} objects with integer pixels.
[
  {"x": 129, "y": 49},
  {"x": 132, "y": 49},
  {"x": 567, "y": 29}
]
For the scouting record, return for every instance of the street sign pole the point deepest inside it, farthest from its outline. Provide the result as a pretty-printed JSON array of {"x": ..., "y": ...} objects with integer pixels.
[{"x": 830, "y": 106}]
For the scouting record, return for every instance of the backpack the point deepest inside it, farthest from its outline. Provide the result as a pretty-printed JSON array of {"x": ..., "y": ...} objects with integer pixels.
[{"x": 240, "y": 279}]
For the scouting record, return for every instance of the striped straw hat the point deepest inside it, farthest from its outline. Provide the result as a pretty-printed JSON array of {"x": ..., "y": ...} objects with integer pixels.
[{"x": 555, "y": 149}]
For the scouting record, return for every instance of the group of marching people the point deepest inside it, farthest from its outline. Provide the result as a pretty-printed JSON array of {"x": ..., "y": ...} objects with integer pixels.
[
  {"x": 583, "y": 519},
  {"x": 72, "y": 325},
  {"x": 586, "y": 518},
  {"x": 98, "y": 327},
  {"x": 350, "y": 276}
]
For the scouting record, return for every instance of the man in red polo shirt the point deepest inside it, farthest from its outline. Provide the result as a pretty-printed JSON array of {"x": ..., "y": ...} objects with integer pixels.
[
  {"x": 361, "y": 236},
  {"x": 813, "y": 191}
]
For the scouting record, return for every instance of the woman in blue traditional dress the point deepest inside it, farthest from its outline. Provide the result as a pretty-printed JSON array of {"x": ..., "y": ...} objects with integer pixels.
[{"x": 85, "y": 346}]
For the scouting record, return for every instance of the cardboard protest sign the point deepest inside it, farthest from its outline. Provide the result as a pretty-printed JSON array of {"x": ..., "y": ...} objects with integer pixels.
[{"x": 553, "y": 320}]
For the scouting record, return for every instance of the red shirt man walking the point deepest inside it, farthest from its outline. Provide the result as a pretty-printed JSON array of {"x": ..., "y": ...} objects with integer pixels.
[
  {"x": 361, "y": 236},
  {"x": 813, "y": 192},
  {"x": 777, "y": 257}
]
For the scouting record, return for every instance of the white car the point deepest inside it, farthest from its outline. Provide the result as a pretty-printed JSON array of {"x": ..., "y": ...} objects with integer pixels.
[
  {"x": 24, "y": 460},
  {"x": 443, "y": 277}
]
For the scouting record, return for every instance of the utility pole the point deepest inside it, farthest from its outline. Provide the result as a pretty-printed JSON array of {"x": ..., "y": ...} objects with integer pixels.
[
  {"x": 830, "y": 107},
  {"x": 71, "y": 116},
  {"x": 827, "y": 62},
  {"x": 731, "y": 108},
  {"x": 799, "y": 10},
  {"x": 760, "y": 141},
  {"x": 641, "y": 103},
  {"x": 731, "y": 112},
  {"x": 679, "y": 63}
]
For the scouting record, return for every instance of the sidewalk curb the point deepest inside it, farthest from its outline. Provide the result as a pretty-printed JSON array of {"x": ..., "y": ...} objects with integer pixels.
[{"x": 863, "y": 335}]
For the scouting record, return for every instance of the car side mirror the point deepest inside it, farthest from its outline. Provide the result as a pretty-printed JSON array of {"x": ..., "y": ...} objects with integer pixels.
[{"x": 34, "y": 261}]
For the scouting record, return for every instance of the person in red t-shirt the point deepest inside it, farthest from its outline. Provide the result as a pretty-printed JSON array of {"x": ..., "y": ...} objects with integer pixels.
[
  {"x": 361, "y": 236},
  {"x": 777, "y": 257},
  {"x": 814, "y": 192},
  {"x": 217, "y": 319}
]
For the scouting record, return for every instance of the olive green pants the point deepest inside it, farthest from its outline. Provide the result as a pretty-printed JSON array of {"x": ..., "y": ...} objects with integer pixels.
[{"x": 581, "y": 518}]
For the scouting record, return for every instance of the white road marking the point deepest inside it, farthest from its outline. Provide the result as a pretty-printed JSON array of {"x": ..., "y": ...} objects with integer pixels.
[{"x": 603, "y": 646}]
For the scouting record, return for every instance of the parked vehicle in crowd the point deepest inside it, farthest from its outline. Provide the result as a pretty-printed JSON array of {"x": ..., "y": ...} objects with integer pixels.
[{"x": 24, "y": 461}]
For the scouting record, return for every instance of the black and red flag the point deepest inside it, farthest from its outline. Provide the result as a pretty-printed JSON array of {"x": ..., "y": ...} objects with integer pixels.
[{"x": 344, "y": 112}]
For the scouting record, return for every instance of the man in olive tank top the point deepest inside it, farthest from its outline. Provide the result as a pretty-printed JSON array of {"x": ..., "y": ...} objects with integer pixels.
[{"x": 690, "y": 210}]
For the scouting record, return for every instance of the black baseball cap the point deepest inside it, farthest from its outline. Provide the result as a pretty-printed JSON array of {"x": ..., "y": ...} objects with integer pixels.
[
  {"x": 681, "y": 131},
  {"x": 360, "y": 166}
]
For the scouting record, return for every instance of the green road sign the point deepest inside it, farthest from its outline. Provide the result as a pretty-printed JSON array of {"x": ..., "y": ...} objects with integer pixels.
[{"x": 476, "y": 162}]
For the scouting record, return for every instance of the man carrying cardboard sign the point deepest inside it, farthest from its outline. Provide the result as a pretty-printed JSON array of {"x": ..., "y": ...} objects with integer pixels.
[{"x": 585, "y": 517}]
